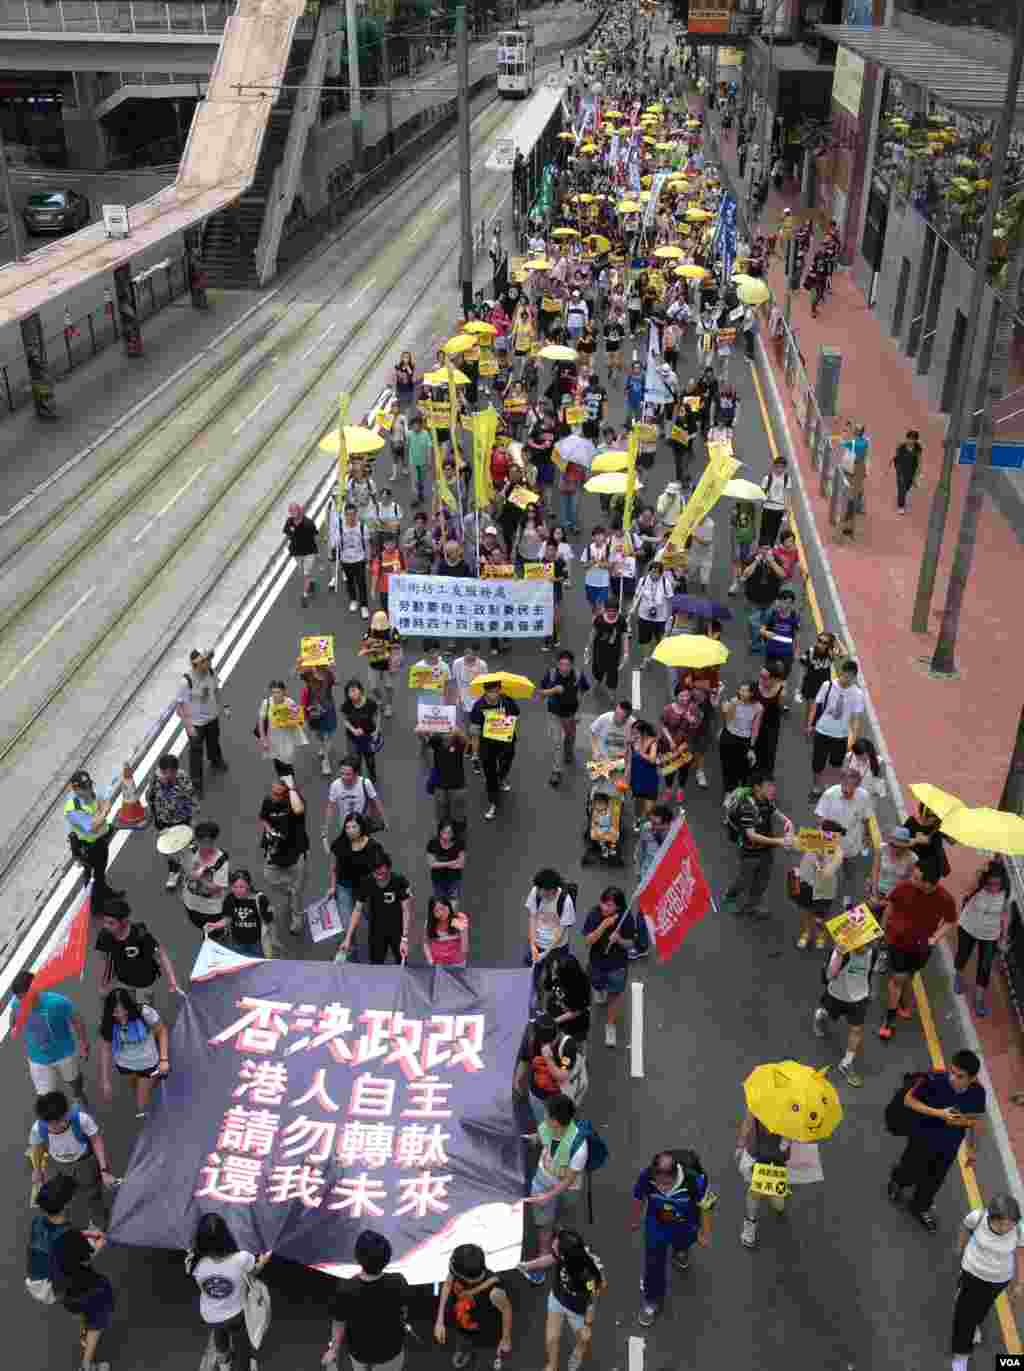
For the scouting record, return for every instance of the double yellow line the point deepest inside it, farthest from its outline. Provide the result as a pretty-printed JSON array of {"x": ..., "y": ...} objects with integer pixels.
[{"x": 1007, "y": 1322}]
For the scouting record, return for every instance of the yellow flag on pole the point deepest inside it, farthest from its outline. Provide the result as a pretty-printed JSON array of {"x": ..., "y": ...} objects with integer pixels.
[
  {"x": 484, "y": 428},
  {"x": 343, "y": 403},
  {"x": 721, "y": 468},
  {"x": 627, "y": 509},
  {"x": 441, "y": 486}
]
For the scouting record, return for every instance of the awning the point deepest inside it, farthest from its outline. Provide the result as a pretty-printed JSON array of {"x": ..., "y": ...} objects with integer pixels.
[{"x": 952, "y": 79}]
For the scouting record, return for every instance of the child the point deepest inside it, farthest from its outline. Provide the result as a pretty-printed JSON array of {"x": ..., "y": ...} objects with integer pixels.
[
  {"x": 819, "y": 877},
  {"x": 389, "y": 563},
  {"x": 602, "y": 824}
]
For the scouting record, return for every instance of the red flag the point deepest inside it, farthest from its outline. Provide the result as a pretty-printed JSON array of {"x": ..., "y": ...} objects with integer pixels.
[
  {"x": 67, "y": 959},
  {"x": 674, "y": 894}
]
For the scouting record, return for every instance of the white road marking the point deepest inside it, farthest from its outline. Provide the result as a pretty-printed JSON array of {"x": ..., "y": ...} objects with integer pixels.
[
  {"x": 170, "y": 503},
  {"x": 357, "y": 297},
  {"x": 313, "y": 347},
  {"x": 252, "y": 413},
  {"x": 411, "y": 237},
  {"x": 48, "y": 637},
  {"x": 637, "y": 1348},
  {"x": 442, "y": 202},
  {"x": 637, "y": 697},
  {"x": 636, "y": 1040}
]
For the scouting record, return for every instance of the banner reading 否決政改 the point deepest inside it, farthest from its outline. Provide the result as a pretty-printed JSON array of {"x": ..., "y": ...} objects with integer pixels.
[
  {"x": 453, "y": 607},
  {"x": 311, "y": 1100}
]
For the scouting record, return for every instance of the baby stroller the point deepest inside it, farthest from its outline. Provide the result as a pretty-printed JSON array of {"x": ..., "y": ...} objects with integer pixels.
[{"x": 603, "y": 830}]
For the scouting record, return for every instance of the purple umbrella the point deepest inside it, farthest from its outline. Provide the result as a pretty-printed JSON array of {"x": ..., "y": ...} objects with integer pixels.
[{"x": 700, "y": 608}]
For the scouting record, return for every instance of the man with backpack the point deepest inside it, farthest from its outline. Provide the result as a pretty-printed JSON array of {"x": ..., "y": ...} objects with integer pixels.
[
  {"x": 551, "y": 914},
  {"x": 552, "y": 1062},
  {"x": 69, "y": 1141},
  {"x": 569, "y": 1147},
  {"x": 750, "y": 817},
  {"x": 673, "y": 1201},
  {"x": 847, "y": 978},
  {"x": 133, "y": 957},
  {"x": 50, "y": 1224}
]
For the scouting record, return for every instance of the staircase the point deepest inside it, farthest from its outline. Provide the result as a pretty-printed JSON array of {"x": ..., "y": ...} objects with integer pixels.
[{"x": 230, "y": 236}]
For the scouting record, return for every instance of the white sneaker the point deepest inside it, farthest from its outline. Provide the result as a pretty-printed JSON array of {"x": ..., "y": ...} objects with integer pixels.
[
  {"x": 365, "y": 612},
  {"x": 798, "y": 699},
  {"x": 600, "y": 997},
  {"x": 734, "y": 587},
  {"x": 748, "y": 1233},
  {"x": 332, "y": 584},
  {"x": 352, "y": 606},
  {"x": 611, "y": 1037},
  {"x": 701, "y": 778},
  {"x": 172, "y": 880},
  {"x": 818, "y": 1027},
  {"x": 325, "y": 765}
]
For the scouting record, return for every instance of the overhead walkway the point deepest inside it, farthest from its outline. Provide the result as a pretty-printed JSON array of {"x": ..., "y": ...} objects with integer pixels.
[{"x": 141, "y": 35}]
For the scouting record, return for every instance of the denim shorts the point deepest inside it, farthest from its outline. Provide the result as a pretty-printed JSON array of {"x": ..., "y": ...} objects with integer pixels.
[
  {"x": 610, "y": 979},
  {"x": 555, "y": 1306},
  {"x": 596, "y": 595}
]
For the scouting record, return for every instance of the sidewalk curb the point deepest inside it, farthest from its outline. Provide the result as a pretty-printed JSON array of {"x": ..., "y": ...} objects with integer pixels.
[{"x": 810, "y": 528}]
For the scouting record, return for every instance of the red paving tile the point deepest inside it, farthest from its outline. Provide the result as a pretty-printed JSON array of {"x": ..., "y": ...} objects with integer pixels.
[{"x": 958, "y": 734}]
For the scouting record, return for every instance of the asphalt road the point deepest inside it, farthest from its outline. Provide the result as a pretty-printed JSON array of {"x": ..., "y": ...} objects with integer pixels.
[{"x": 842, "y": 1281}]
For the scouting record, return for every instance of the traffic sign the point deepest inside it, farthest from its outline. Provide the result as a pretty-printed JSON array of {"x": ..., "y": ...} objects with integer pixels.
[{"x": 1007, "y": 456}]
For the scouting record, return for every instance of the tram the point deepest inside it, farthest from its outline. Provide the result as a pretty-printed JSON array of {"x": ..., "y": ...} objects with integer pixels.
[
  {"x": 533, "y": 136},
  {"x": 517, "y": 61}
]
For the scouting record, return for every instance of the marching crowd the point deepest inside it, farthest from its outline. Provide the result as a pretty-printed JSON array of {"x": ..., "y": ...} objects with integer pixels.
[{"x": 654, "y": 285}]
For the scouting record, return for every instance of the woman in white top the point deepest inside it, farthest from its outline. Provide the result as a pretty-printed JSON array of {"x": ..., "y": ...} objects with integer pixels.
[
  {"x": 864, "y": 759},
  {"x": 990, "y": 1241},
  {"x": 742, "y": 715},
  {"x": 219, "y": 1269},
  {"x": 133, "y": 1038},
  {"x": 206, "y": 876},
  {"x": 652, "y": 605},
  {"x": 982, "y": 925},
  {"x": 597, "y": 579},
  {"x": 279, "y": 731}
]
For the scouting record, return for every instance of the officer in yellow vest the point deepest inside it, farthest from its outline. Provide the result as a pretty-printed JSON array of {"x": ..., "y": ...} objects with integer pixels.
[{"x": 89, "y": 832}]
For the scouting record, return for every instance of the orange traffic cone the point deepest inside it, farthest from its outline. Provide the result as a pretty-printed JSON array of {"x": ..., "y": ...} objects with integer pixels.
[{"x": 132, "y": 813}]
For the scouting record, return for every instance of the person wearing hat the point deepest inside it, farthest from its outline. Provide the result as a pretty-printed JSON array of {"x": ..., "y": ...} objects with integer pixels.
[
  {"x": 87, "y": 816},
  {"x": 381, "y": 648},
  {"x": 171, "y": 802},
  {"x": 475, "y": 1307},
  {"x": 895, "y": 860},
  {"x": 199, "y": 708}
]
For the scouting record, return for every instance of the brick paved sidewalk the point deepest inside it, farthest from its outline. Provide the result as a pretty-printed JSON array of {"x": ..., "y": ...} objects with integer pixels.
[{"x": 957, "y": 734}]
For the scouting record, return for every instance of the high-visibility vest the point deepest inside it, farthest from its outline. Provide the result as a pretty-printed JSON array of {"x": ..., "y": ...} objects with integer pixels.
[{"x": 70, "y": 805}]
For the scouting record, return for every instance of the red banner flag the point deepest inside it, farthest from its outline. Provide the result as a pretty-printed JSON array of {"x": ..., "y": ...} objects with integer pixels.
[
  {"x": 674, "y": 894},
  {"x": 67, "y": 959}
]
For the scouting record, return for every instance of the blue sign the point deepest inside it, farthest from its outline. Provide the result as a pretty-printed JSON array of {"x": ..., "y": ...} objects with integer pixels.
[
  {"x": 1007, "y": 456},
  {"x": 858, "y": 13}
]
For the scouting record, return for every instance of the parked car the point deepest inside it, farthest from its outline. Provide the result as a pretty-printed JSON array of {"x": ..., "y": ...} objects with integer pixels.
[{"x": 56, "y": 211}]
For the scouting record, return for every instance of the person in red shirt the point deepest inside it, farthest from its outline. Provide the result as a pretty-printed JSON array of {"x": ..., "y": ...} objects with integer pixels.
[{"x": 917, "y": 915}]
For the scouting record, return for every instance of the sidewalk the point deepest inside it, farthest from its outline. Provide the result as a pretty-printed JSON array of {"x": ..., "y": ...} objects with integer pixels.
[{"x": 957, "y": 734}]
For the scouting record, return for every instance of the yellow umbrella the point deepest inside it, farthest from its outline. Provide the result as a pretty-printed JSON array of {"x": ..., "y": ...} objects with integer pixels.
[
  {"x": 990, "y": 830},
  {"x": 480, "y": 328},
  {"x": 609, "y": 461},
  {"x": 940, "y": 802},
  {"x": 567, "y": 137},
  {"x": 740, "y": 278},
  {"x": 690, "y": 649},
  {"x": 794, "y": 1101},
  {"x": 589, "y": 147},
  {"x": 597, "y": 242},
  {"x": 698, "y": 214},
  {"x": 440, "y": 378},
  {"x": 538, "y": 264},
  {"x": 669, "y": 253},
  {"x": 614, "y": 114},
  {"x": 557, "y": 352},
  {"x": 663, "y": 147},
  {"x": 516, "y": 687},
  {"x": 691, "y": 271},
  {"x": 462, "y": 342},
  {"x": 645, "y": 195},
  {"x": 565, "y": 233},
  {"x": 693, "y": 123},
  {"x": 358, "y": 441},
  {"x": 609, "y": 483},
  {"x": 739, "y": 489},
  {"x": 629, "y": 207},
  {"x": 753, "y": 292},
  {"x": 584, "y": 198}
]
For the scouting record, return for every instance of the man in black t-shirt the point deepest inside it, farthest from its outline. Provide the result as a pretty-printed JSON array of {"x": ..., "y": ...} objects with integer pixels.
[
  {"x": 285, "y": 846},
  {"x": 595, "y": 402},
  {"x": 491, "y": 711},
  {"x": 563, "y": 687},
  {"x": 386, "y": 899},
  {"x": 134, "y": 958},
  {"x": 607, "y": 646},
  {"x": 614, "y": 333},
  {"x": 370, "y": 1311},
  {"x": 300, "y": 531},
  {"x": 448, "y": 755}
]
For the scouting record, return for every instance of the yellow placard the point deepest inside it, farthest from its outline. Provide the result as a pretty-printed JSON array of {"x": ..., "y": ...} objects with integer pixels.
[
  {"x": 767, "y": 1179},
  {"x": 851, "y": 934},
  {"x": 514, "y": 405},
  {"x": 522, "y": 498},
  {"x": 436, "y": 410},
  {"x": 499, "y": 728},
  {"x": 497, "y": 571},
  {"x": 679, "y": 435},
  {"x": 813, "y": 840},
  {"x": 672, "y": 761},
  {"x": 550, "y": 305},
  {"x": 425, "y": 678},
  {"x": 385, "y": 421},
  {"x": 285, "y": 715},
  {"x": 317, "y": 650},
  {"x": 539, "y": 571},
  {"x": 646, "y": 433},
  {"x": 575, "y": 414},
  {"x": 488, "y": 366}
]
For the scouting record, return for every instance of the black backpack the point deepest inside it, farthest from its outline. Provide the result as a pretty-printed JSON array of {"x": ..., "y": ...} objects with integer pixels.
[{"x": 899, "y": 1120}]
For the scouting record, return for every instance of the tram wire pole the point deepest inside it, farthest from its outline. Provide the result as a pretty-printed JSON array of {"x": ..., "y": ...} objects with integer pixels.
[
  {"x": 355, "y": 106},
  {"x": 465, "y": 201}
]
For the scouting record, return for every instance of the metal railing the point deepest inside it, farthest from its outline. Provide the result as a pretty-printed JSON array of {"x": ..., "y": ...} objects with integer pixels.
[
  {"x": 100, "y": 16},
  {"x": 81, "y": 339},
  {"x": 110, "y": 82}
]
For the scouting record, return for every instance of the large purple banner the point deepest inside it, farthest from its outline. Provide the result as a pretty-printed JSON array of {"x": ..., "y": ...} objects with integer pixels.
[{"x": 311, "y": 1100}]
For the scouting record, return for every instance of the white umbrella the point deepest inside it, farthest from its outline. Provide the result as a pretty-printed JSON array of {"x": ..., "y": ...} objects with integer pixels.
[{"x": 577, "y": 449}]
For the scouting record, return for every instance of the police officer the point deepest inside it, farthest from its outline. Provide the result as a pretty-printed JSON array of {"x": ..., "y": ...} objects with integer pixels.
[{"x": 86, "y": 813}]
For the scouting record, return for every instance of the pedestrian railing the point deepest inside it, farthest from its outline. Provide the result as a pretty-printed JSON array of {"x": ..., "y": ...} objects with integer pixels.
[{"x": 82, "y": 338}]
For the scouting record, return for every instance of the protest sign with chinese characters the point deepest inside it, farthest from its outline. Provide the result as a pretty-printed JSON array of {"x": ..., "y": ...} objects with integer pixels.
[
  {"x": 435, "y": 718},
  {"x": 855, "y": 929},
  {"x": 287, "y": 714},
  {"x": 766, "y": 1179},
  {"x": 814, "y": 840},
  {"x": 311, "y": 1100},
  {"x": 454, "y": 607},
  {"x": 317, "y": 650},
  {"x": 674, "y": 895}
]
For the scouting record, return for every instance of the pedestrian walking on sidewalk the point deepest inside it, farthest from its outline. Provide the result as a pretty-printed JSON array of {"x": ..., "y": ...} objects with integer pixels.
[
  {"x": 199, "y": 708},
  {"x": 672, "y": 1200},
  {"x": 984, "y": 921},
  {"x": 563, "y": 687},
  {"x": 836, "y": 723},
  {"x": 751, "y": 818},
  {"x": 171, "y": 802},
  {"x": 285, "y": 842},
  {"x": 907, "y": 462},
  {"x": 947, "y": 1108},
  {"x": 918, "y": 914},
  {"x": 56, "y": 1039},
  {"x": 300, "y": 531},
  {"x": 992, "y": 1257}
]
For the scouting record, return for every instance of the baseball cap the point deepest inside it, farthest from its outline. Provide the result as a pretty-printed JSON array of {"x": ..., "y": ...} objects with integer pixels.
[
  {"x": 900, "y": 836},
  {"x": 81, "y": 777}
]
